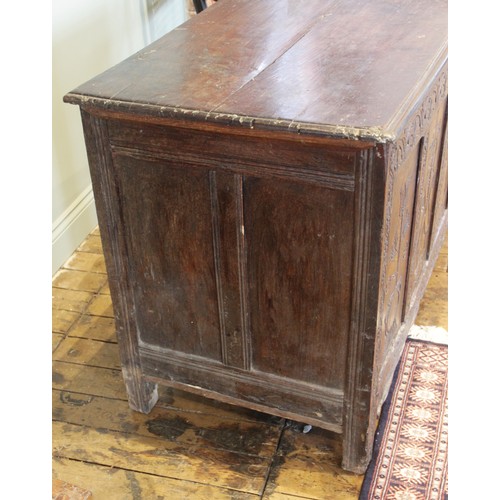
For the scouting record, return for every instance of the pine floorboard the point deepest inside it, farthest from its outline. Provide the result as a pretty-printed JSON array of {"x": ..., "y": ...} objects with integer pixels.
[{"x": 188, "y": 447}]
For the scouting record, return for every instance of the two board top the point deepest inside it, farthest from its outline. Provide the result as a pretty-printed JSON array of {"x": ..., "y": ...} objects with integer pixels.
[{"x": 344, "y": 68}]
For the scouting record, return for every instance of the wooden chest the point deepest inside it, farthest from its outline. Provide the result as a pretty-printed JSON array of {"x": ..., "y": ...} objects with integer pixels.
[{"x": 271, "y": 187}]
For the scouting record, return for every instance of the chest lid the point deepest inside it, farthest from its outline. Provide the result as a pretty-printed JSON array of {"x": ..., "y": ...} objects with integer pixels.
[{"x": 341, "y": 68}]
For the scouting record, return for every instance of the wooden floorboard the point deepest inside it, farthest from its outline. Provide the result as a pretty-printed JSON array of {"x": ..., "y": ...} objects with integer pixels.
[
  {"x": 114, "y": 483},
  {"x": 188, "y": 447}
]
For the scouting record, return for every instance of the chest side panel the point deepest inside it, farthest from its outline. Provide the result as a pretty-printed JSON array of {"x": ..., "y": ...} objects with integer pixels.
[{"x": 239, "y": 254}]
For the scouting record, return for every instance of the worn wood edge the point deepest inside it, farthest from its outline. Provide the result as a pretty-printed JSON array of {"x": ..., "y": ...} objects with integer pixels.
[
  {"x": 190, "y": 118},
  {"x": 381, "y": 133},
  {"x": 396, "y": 348},
  {"x": 418, "y": 94},
  {"x": 96, "y": 105}
]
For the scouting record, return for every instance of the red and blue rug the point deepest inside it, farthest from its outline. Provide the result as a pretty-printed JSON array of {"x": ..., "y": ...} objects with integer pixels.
[{"x": 410, "y": 459}]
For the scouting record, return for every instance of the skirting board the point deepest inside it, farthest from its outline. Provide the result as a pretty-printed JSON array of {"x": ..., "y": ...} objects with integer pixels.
[{"x": 72, "y": 227}]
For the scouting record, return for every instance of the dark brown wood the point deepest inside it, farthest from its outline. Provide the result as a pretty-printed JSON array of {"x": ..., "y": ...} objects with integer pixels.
[
  {"x": 166, "y": 212},
  {"x": 142, "y": 393},
  {"x": 271, "y": 186},
  {"x": 359, "y": 415},
  {"x": 299, "y": 275},
  {"x": 227, "y": 223}
]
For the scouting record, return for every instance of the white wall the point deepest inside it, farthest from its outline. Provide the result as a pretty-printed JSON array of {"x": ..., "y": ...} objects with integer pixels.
[{"x": 89, "y": 36}]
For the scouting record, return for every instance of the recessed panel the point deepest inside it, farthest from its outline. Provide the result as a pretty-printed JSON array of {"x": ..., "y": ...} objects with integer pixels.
[
  {"x": 299, "y": 242},
  {"x": 167, "y": 218}
]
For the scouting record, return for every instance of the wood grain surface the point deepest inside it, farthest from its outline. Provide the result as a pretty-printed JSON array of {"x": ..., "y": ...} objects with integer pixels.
[{"x": 348, "y": 66}]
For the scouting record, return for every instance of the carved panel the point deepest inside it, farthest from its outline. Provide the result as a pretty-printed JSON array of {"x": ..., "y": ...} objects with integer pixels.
[
  {"x": 418, "y": 124},
  {"x": 412, "y": 148},
  {"x": 441, "y": 203},
  {"x": 424, "y": 205},
  {"x": 403, "y": 181}
]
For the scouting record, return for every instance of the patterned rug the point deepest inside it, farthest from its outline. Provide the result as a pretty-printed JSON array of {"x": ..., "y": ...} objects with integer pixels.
[{"x": 410, "y": 459}]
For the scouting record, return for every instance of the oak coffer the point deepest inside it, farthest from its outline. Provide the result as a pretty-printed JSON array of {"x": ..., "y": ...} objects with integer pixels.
[{"x": 271, "y": 188}]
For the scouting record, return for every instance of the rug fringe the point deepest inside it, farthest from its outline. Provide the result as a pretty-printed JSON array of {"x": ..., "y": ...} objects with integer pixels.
[{"x": 434, "y": 334}]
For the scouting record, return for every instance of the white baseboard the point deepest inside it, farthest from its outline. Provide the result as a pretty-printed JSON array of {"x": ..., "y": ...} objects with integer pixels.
[{"x": 72, "y": 227}]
